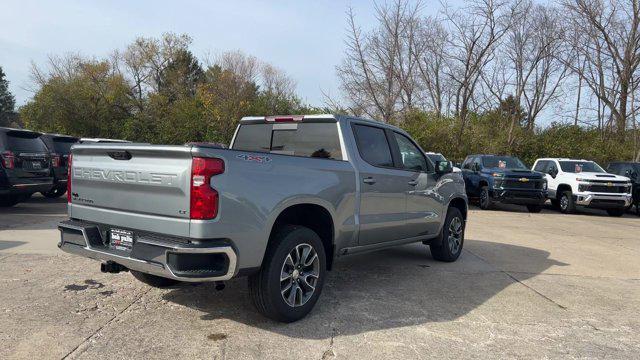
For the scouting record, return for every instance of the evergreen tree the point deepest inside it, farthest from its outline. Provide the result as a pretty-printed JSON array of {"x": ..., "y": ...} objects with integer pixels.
[{"x": 7, "y": 102}]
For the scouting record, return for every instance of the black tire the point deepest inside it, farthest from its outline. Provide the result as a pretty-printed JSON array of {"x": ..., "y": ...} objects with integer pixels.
[
  {"x": 534, "y": 208},
  {"x": 446, "y": 251},
  {"x": 567, "y": 205},
  {"x": 9, "y": 200},
  {"x": 265, "y": 287},
  {"x": 485, "y": 198},
  {"x": 54, "y": 193},
  {"x": 153, "y": 280},
  {"x": 616, "y": 212}
]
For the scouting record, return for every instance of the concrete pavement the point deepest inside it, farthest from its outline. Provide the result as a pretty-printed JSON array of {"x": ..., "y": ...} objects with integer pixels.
[{"x": 527, "y": 286}]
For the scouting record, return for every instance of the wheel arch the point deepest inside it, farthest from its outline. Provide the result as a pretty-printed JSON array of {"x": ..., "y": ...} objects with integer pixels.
[
  {"x": 313, "y": 214},
  {"x": 562, "y": 188}
]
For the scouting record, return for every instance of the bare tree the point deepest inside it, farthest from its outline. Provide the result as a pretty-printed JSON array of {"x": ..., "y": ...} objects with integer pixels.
[
  {"x": 609, "y": 32},
  {"x": 378, "y": 71},
  {"x": 476, "y": 31}
]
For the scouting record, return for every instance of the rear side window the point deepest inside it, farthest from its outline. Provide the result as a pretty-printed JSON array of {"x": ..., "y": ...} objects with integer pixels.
[
  {"x": 320, "y": 140},
  {"x": 373, "y": 145},
  {"x": 25, "y": 142},
  {"x": 63, "y": 145}
]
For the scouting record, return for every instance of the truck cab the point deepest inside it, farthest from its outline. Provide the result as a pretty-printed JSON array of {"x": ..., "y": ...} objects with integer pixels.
[
  {"x": 60, "y": 147},
  {"x": 503, "y": 179},
  {"x": 630, "y": 170},
  {"x": 577, "y": 183}
]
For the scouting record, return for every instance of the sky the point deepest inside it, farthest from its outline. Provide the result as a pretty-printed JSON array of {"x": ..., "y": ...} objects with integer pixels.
[{"x": 304, "y": 38}]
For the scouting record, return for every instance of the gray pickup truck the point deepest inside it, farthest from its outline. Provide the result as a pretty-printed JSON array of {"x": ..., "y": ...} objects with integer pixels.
[{"x": 289, "y": 196}]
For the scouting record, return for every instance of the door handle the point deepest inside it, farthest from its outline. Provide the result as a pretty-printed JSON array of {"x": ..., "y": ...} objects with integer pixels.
[
  {"x": 369, "y": 180},
  {"x": 413, "y": 182}
]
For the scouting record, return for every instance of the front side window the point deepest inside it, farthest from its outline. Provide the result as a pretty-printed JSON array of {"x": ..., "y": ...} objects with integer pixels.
[
  {"x": 436, "y": 157},
  {"x": 373, "y": 145},
  {"x": 541, "y": 166},
  {"x": 319, "y": 140},
  {"x": 580, "y": 166},
  {"x": 412, "y": 158},
  {"x": 503, "y": 162}
]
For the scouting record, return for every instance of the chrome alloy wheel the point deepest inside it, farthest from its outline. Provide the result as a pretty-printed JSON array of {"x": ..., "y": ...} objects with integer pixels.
[
  {"x": 455, "y": 235},
  {"x": 299, "y": 275},
  {"x": 564, "y": 202}
]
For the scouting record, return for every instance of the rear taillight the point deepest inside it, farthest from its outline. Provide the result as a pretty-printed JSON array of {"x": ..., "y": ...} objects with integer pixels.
[
  {"x": 204, "y": 199},
  {"x": 55, "y": 160},
  {"x": 8, "y": 160},
  {"x": 69, "y": 172}
]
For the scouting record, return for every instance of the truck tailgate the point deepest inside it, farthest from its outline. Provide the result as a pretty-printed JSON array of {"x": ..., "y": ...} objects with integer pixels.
[{"x": 131, "y": 181}]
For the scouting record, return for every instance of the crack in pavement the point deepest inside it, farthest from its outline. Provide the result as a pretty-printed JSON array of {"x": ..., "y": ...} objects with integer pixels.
[
  {"x": 519, "y": 282},
  {"x": 88, "y": 338}
]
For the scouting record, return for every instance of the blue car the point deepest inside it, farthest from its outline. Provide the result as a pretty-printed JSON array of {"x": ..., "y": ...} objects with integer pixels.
[{"x": 505, "y": 179}]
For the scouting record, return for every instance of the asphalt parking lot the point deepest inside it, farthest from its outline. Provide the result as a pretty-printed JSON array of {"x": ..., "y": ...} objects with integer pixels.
[{"x": 527, "y": 286}]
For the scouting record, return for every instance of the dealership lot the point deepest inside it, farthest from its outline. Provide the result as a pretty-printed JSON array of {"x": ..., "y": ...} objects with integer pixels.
[{"x": 527, "y": 285}]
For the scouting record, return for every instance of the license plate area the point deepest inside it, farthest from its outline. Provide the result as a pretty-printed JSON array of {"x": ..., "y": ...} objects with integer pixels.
[{"x": 121, "y": 240}]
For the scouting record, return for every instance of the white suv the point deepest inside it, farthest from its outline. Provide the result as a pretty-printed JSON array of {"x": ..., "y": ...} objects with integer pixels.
[{"x": 574, "y": 183}]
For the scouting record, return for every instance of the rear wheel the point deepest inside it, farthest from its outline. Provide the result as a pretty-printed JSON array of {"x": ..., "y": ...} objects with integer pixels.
[
  {"x": 290, "y": 281},
  {"x": 616, "y": 212},
  {"x": 534, "y": 208},
  {"x": 153, "y": 280},
  {"x": 452, "y": 237},
  {"x": 9, "y": 200},
  {"x": 485, "y": 198},
  {"x": 567, "y": 205},
  {"x": 54, "y": 193}
]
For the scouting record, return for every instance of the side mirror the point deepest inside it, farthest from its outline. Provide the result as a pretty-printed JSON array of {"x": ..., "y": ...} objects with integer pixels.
[
  {"x": 553, "y": 172},
  {"x": 633, "y": 175},
  {"x": 444, "y": 167}
]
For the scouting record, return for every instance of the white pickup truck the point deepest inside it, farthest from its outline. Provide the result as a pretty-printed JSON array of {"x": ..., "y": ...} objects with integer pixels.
[{"x": 573, "y": 183}]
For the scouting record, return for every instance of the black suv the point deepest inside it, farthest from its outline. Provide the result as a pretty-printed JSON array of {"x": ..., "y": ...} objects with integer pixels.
[
  {"x": 632, "y": 171},
  {"x": 25, "y": 165},
  {"x": 494, "y": 178},
  {"x": 60, "y": 148}
]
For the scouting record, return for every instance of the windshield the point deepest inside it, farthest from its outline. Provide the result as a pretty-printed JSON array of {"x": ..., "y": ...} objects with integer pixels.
[
  {"x": 580, "y": 166},
  {"x": 436, "y": 157},
  {"x": 503, "y": 162}
]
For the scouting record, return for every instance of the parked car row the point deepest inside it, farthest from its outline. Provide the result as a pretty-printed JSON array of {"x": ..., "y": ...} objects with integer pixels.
[
  {"x": 568, "y": 183},
  {"x": 33, "y": 162}
]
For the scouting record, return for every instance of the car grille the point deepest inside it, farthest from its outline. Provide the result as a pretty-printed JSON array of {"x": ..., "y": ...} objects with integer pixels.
[
  {"x": 607, "y": 189},
  {"x": 517, "y": 184}
]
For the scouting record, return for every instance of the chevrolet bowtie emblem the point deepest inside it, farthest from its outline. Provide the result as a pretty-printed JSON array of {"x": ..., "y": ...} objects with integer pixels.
[{"x": 524, "y": 179}]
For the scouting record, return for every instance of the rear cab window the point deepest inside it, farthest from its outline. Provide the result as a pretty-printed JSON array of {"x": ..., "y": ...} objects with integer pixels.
[
  {"x": 373, "y": 145},
  {"x": 22, "y": 141},
  {"x": 62, "y": 145},
  {"x": 310, "y": 139}
]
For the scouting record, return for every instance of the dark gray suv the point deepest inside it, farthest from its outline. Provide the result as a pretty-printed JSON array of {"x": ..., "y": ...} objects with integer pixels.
[{"x": 25, "y": 165}]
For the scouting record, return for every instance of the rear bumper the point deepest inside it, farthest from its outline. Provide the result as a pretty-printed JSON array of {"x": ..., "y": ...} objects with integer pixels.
[
  {"x": 603, "y": 201},
  {"x": 519, "y": 196},
  {"x": 28, "y": 188},
  {"x": 196, "y": 261}
]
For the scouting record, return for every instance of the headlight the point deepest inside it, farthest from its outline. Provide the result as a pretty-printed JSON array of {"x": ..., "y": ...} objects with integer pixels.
[
  {"x": 582, "y": 188},
  {"x": 580, "y": 179},
  {"x": 497, "y": 175}
]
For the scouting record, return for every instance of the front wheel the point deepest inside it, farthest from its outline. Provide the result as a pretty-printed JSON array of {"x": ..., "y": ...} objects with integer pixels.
[
  {"x": 567, "y": 205},
  {"x": 616, "y": 212},
  {"x": 485, "y": 198},
  {"x": 292, "y": 275},
  {"x": 534, "y": 208},
  {"x": 452, "y": 237}
]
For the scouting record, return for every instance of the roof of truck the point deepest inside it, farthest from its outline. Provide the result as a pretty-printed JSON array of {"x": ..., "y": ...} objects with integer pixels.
[{"x": 321, "y": 117}]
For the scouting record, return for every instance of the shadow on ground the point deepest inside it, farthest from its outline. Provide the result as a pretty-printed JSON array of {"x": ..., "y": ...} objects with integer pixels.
[{"x": 386, "y": 289}]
